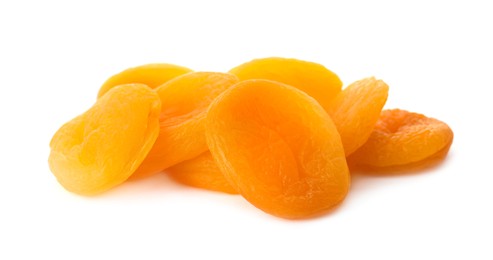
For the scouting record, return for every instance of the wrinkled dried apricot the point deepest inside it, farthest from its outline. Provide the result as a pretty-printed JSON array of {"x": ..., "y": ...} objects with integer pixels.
[
  {"x": 356, "y": 110},
  {"x": 312, "y": 78},
  {"x": 102, "y": 147},
  {"x": 402, "y": 138},
  {"x": 278, "y": 148},
  {"x": 152, "y": 75},
  {"x": 201, "y": 172},
  {"x": 185, "y": 100}
]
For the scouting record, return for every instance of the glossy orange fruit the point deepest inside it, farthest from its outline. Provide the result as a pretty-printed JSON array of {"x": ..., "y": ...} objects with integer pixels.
[
  {"x": 185, "y": 100},
  {"x": 278, "y": 148},
  {"x": 312, "y": 78},
  {"x": 101, "y": 148},
  {"x": 201, "y": 172},
  {"x": 356, "y": 109},
  {"x": 401, "y": 138},
  {"x": 152, "y": 75}
]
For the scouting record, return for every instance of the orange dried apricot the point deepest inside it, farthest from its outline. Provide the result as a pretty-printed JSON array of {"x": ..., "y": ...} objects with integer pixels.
[
  {"x": 201, "y": 172},
  {"x": 403, "y": 138},
  {"x": 152, "y": 75},
  {"x": 312, "y": 78},
  {"x": 278, "y": 148},
  {"x": 356, "y": 110},
  {"x": 102, "y": 147},
  {"x": 185, "y": 100}
]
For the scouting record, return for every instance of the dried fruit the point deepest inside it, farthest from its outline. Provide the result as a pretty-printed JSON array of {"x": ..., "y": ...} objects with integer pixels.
[
  {"x": 402, "y": 138},
  {"x": 152, "y": 75},
  {"x": 356, "y": 110},
  {"x": 312, "y": 78},
  {"x": 185, "y": 100},
  {"x": 102, "y": 147},
  {"x": 201, "y": 172},
  {"x": 278, "y": 148},
  {"x": 278, "y": 131}
]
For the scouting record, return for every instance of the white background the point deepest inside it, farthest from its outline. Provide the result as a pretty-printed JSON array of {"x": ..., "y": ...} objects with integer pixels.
[{"x": 436, "y": 56}]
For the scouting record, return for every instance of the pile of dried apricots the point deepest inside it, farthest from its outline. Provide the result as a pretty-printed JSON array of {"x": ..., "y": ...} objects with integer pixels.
[{"x": 280, "y": 132}]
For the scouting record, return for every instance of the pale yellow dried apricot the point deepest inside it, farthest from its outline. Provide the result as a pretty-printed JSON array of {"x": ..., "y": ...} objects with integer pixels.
[
  {"x": 201, "y": 172},
  {"x": 102, "y": 147},
  {"x": 152, "y": 75},
  {"x": 403, "y": 138},
  {"x": 356, "y": 110},
  {"x": 185, "y": 100},
  {"x": 312, "y": 78},
  {"x": 278, "y": 148}
]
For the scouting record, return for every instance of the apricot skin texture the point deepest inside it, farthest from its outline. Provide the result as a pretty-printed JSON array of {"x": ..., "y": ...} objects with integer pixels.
[
  {"x": 312, "y": 78},
  {"x": 185, "y": 100},
  {"x": 356, "y": 110},
  {"x": 201, "y": 172},
  {"x": 278, "y": 148},
  {"x": 101, "y": 148},
  {"x": 152, "y": 75},
  {"x": 403, "y": 138}
]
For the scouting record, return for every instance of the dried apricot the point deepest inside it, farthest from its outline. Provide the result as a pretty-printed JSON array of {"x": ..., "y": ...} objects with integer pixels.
[
  {"x": 152, "y": 75},
  {"x": 356, "y": 110},
  {"x": 402, "y": 138},
  {"x": 278, "y": 148},
  {"x": 102, "y": 147},
  {"x": 185, "y": 100},
  {"x": 312, "y": 78},
  {"x": 201, "y": 172}
]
